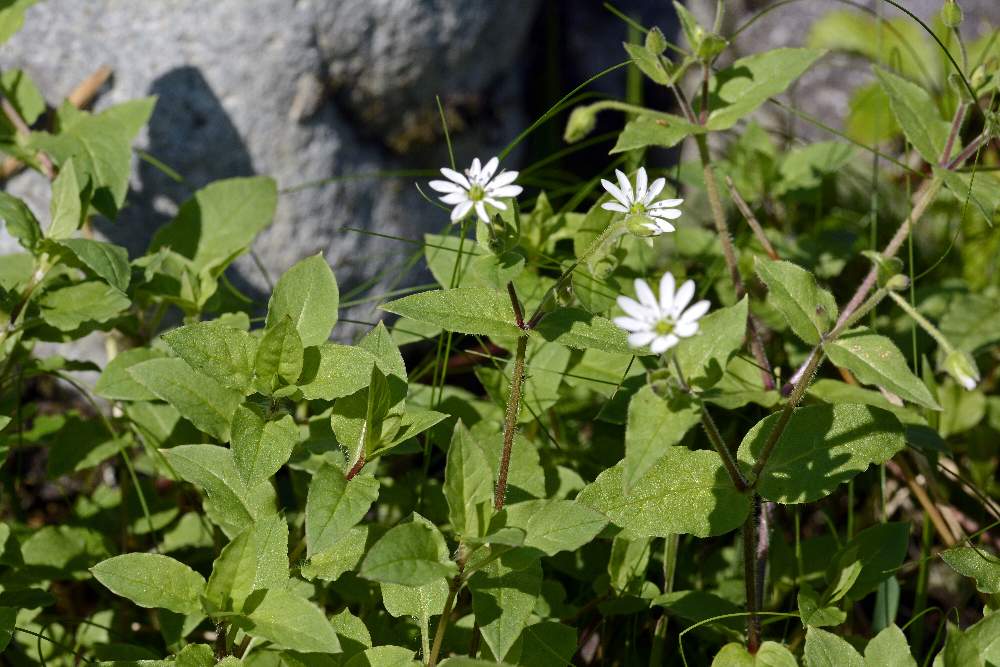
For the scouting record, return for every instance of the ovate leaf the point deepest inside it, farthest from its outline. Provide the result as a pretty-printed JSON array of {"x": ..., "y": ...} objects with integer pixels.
[
  {"x": 407, "y": 554},
  {"x": 576, "y": 328},
  {"x": 889, "y": 648},
  {"x": 916, "y": 113},
  {"x": 308, "y": 294},
  {"x": 279, "y": 356},
  {"x": 469, "y": 310},
  {"x": 502, "y": 600},
  {"x": 117, "y": 384},
  {"x": 21, "y": 222},
  {"x": 68, "y": 308},
  {"x": 152, "y": 580},
  {"x": 468, "y": 484},
  {"x": 809, "y": 309},
  {"x": 821, "y": 447},
  {"x": 291, "y": 622},
  {"x": 555, "y": 525},
  {"x": 67, "y": 212},
  {"x": 261, "y": 446},
  {"x": 982, "y": 566},
  {"x": 770, "y": 654},
  {"x": 224, "y": 353},
  {"x": 334, "y": 505},
  {"x": 703, "y": 357},
  {"x": 662, "y": 133},
  {"x": 825, "y": 649},
  {"x": 108, "y": 261},
  {"x": 257, "y": 559},
  {"x": 654, "y": 424}
]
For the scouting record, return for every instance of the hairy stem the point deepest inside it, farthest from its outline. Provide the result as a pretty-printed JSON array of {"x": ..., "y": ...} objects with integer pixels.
[
  {"x": 739, "y": 481},
  {"x": 750, "y": 576},
  {"x": 510, "y": 421},
  {"x": 956, "y": 128},
  {"x": 751, "y": 219}
]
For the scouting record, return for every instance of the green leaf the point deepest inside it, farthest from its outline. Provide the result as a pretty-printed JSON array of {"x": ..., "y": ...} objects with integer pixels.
[
  {"x": 224, "y": 353},
  {"x": 648, "y": 63},
  {"x": 332, "y": 371},
  {"x": 261, "y": 446},
  {"x": 468, "y": 484},
  {"x": 100, "y": 146},
  {"x": 821, "y": 447},
  {"x": 67, "y": 212},
  {"x": 825, "y": 649},
  {"x": 555, "y": 525},
  {"x": 279, "y": 356},
  {"x": 334, "y": 505},
  {"x": 889, "y": 648},
  {"x": 21, "y": 222},
  {"x": 684, "y": 492},
  {"x": 770, "y": 654},
  {"x": 816, "y": 611},
  {"x": 704, "y": 357},
  {"x": 219, "y": 222},
  {"x": 343, "y": 556},
  {"x": 654, "y": 424},
  {"x": 108, "y": 261},
  {"x": 289, "y": 621},
  {"x": 977, "y": 564},
  {"x": 257, "y": 559},
  {"x": 11, "y": 20},
  {"x": 17, "y": 86},
  {"x": 645, "y": 131},
  {"x": 152, "y": 580},
  {"x": 805, "y": 167},
  {"x": 69, "y": 308},
  {"x": 502, "y": 600},
  {"x": 809, "y": 309},
  {"x": 411, "y": 424},
  {"x": 749, "y": 82},
  {"x": 358, "y": 419},
  {"x": 418, "y": 602},
  {"x": 916, "y": 113},
  {"x": 876, "y": 360},
  {"x": 8, "y": 618},
  {"x": 576, "y": 328},
  {"x": 880, "y": 550},
  {"x": 117, "y": 384},
  {"x": 200, "y": 399},
  {"x": 231, "y": 505},
  {"x": 385, "y": 656},
  {"x": 308, "y": 294},
  {"x": 408, "y": 555},
  {"x": 469, "y": 310}
]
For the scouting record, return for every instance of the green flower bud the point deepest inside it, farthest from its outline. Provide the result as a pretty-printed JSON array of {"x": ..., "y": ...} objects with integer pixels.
[
  {"x": 656, "y": 43},
  {"x": 951, "y": 14},
  {"x": 979, "y": 77},
  {"x": 897, "y": 283},
  {"x": 888, "y": 270},
  {"x": 582, "y": 121},
  {"x": 641, "y": 226},
  {"x": 564, "y": 294},
  {"x": 710, "y": 46},
  {"x": 962, "y": 367}
]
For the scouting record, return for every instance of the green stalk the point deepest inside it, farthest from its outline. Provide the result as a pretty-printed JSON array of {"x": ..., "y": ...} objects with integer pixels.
[
  {"x": 670, "y": 545},
  {"x": 510, "y": 421}
]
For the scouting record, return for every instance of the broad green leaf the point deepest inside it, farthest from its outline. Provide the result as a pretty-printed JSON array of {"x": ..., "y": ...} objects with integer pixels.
[
  {"x": 749, "y": 82},
  {"x": 358, "y": 419},
  {"x": 555, "y": 525},
  {"x": 152, "y": 580},
  {"x": 331, "y": 371},
  {"x": 982, "y": 190},
  {"x": 978, "y": 564},
  {"x": 279, "y": 356},
  {"x": 68, "y": 308},
  {"x": 354, "y": 635},
  {"x": 821, "y": 447},
  {"x": 101, "y": 148},
  {"x": 224, "y": 353},
  {"x": 108, "y": 261},
  {"x": 408, "y": 555},
  {"x": 469, "y": 310},
  {"x": 544, "y": 644},
  {"x": 15, "y": 84},
  {"x": 897, "y": 40},
  {"x": 704, "y": 357},
  {"x": 11, "y": 20},
  {"x": 648, "y": 62},
  {"x": 257, "y": 559},
  {"x": 576, "y": 328},
  {"x": 230, "y": 504},
  {"x": 809, "y": 309},
  {"x": 219, "y": 222},
  {"x": 378, "y": 342},
  {"x": 117, "y": 384},
  {"x": 385, "y": 656},
  {"x": 628, "y": 562},
  {"x": 289, "y": 621},
  {"x": 196, "y": 655},
  {"x": 261, "y": 446},
  {"x": 805, "y": 167},
  {"x": 825, "y": 649},
  {"x": 459, "y": 661},
  {"x": 502, "y": 600},
  {"x": 308, "y": 294},
  {"x": 8, "y": 618},
  {"x": 411, "y": 424},
  {"x": 816, "y": 611},
  {"x": 67, "y": 212},
  {"x": 343, "y": 556},
  {"x": 67, "y": 548},
  {"x": 684, "y": 492},
  {"x": 468, "y": 484},
  {"x": 21, "y": 222},
  {"x": 876, "y": 360},
  {"x": 200, "y": 399},
  {"x": 916, "y": 113},
  {"x": 889, "y": 648},
  {"x": 770, "y": 654},
  {"x": 654, "y": 424},
  {"x": 334, "y": 505},
  {"x": 880, "y": 550},
  {"x": 661, "y": 133}
]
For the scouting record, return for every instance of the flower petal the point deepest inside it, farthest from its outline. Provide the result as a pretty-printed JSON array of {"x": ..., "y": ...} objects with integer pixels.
[
  {"x": 635, "y": 309},
  {"x": 631, "y": 324},
  {"x": 496, "y": 203},
  {"x": 645, "y": 294},
  {"x": 695, "y": 312},
  {"x": 481, "y": 212},
  {"x": 683, "y": 297},
  {"x": 453, "y": 175},
  {"x": 667, "y": 287},
  {"x": 660, "y": 226},
  {"x": 614, "y": 206},
  {"x": 668, "y": 213},
  {"x": 504, "y": 178},
  {"x": 641, "y": 180},
  {"x": 641, "y": 338},
  {"x": 475, "y": 170},
  {"x": 615, "y": 192},
  {"x": 505, "y": 191},
  {"x": 460, "y": 211},
  {"x": 663, "y": 343},
  {"x": 489, "y": 169},
  {"x": 668, "y": 203},
  {"x": 446, "y": 186},
  {"x": 625, "y": 185},
  {"x": 655, "y": 188},
  {"x": 685, "y": 329},
  {"x": 456, "y": 197}
]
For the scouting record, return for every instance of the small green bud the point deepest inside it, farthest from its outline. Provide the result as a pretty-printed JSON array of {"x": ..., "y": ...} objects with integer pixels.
[
  {"x": 564, "y": 294},
  {"x": 962, "y": 367},
  {"x": 656, "y": 43},
  {"x": 951, "y": 14},
  {"x": 979, "y": 77},
  {"x": 711, "y": 45},
  {"x": 640, "y": 225},
  {"x": 897, "y": 283},
  {"x": 582, "y": 121}
]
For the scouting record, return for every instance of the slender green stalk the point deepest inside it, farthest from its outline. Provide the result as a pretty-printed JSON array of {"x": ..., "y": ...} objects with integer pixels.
[
  {"x": 510, "y": 421},
  {"x": 924, "y": 323},
  {"x": 670, "y": 545},
  {"x": 739, "y": 481},
  {"x": 453, "y": 587}
]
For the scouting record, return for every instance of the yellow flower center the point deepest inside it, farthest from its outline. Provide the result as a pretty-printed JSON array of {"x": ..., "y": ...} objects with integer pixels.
[
  {"x": 476, "y": 192},
  {"x": 664, "y": 327}
]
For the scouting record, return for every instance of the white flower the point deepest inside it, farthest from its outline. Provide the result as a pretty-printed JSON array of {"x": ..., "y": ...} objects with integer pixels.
[
  {"x": 476, "y": 188},
  {"x": 640, "y": 201},
  {"x": 660, "y": 323}
]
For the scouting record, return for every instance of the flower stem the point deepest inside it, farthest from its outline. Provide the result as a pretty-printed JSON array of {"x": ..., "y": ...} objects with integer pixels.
[
  {"x": 510, "y": 421},
  {"x": 739, "y": 481},
  {"x": 924, "y": 323},
  {"x": 670, "y": 545},
  {"x": 449, "y": 605},
  {"x": 751, "y": 219},
  {"x": 750, "y": 575}
]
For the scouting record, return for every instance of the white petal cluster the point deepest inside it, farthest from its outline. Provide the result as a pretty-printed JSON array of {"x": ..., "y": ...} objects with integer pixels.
[
  {"x": 661, "y": 323},
  {"x": 476, "y": 188},
  {"x": 640, "y": 201}
]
